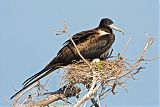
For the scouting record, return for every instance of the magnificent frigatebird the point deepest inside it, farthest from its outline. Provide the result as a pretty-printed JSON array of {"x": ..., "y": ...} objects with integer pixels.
[{"x": 92, "y": 44}]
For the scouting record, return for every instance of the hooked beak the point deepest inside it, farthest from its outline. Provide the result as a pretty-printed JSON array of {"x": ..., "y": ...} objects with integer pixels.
[{"x": 114, "y": 27}]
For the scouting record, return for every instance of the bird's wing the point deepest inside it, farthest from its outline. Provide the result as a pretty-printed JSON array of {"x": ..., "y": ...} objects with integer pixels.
[
  {"x": 90, "y": 43},
  {"x": 79, "y": 37}
]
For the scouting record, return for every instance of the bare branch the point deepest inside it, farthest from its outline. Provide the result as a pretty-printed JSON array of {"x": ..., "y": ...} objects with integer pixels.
[
  {"x": 24, "y": 91},
  {"x": 7, "y": 101},
  {"x": 53, "y": 96},
  {"x": 148, "y": 44},
  {"x": 121, "y": 55},
  {"x": 88, "y": 95}
]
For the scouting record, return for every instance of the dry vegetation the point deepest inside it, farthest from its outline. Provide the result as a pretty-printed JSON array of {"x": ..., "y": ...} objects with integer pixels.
[{"x": 80, "y": 72}]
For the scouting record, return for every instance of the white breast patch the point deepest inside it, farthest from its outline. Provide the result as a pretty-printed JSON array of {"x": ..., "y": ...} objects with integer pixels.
[{"x": 102, "y": 32}]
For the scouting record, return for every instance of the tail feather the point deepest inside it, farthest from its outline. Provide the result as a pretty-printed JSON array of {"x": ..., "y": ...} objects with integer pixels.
[
  {"x": 53, "y": 65},
  {"x": 35, "y": 78},
  {"x": 50, "y": 65}
]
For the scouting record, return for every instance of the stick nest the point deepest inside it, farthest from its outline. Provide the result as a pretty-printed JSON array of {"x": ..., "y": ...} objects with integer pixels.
[{"x": 80, "y": 72}]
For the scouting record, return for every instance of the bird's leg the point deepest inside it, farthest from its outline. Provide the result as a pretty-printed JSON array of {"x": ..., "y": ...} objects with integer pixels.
[{"x": 109, "y": 54}]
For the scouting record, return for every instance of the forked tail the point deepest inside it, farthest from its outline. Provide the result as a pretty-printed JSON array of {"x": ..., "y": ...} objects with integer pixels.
[{"x": 36, "y": 77}]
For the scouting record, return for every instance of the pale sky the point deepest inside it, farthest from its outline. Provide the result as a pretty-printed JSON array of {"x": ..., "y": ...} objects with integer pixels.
[{"x": 28, "y": 41}]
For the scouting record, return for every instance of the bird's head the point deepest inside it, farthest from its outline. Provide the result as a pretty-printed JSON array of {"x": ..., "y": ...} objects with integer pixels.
[{"x": 108, "y": 23}]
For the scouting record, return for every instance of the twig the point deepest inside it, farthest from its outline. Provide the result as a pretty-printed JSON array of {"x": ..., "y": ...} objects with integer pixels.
[
  {"x": 148, "y": 44},
  {"x": 98, "y": 100},
  {"x": 151, "y": 59},
  {"x": 24, "y": 91},
  {"x": 125, "y": 47},
  {"x": 7, "y": 101},
  {"x": 87, "y": 96}
]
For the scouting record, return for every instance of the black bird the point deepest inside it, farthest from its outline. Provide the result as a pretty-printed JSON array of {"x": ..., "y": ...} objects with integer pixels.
[{"x": 92, "y": 44}]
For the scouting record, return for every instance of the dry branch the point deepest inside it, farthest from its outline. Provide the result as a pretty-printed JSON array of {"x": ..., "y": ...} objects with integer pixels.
[
  {"x": 60, "y": 94},
  {"x": 24, "y": 91}
]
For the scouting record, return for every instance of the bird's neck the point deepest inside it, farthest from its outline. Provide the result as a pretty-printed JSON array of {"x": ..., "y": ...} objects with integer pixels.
[{"x": 108, "y": 30}]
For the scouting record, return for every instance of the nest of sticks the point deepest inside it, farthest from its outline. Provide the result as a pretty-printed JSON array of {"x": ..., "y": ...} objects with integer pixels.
[{"x": 80, "y": 72}]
